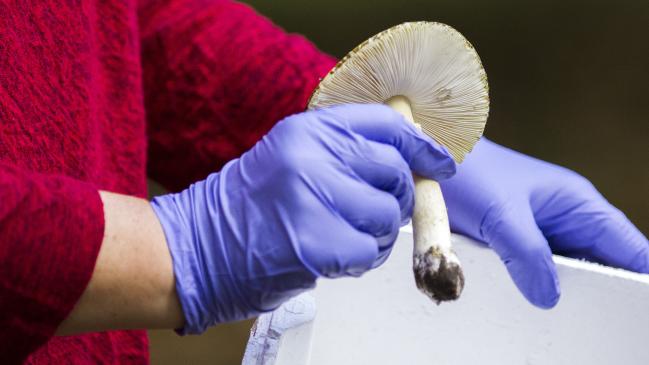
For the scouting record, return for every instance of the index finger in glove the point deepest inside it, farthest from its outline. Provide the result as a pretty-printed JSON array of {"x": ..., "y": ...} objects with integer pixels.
[
  {"x": 380, "y": 123},
  {"x": 514, "y": 236}
]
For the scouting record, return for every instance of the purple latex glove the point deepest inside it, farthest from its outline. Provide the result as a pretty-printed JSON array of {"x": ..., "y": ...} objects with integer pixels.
[
  {"x": 323, "y": 194},
  {"x": 525, "y": 209}
]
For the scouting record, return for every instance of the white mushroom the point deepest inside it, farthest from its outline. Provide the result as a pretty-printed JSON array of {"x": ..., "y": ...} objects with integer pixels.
[{"x": 432, "y": 75}]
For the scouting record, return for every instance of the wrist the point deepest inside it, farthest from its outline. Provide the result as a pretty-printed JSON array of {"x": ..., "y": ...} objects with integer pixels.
[
  {"x": 176, "y": 225},
  {"x": 191, "y": 222},
  {"x": 132, "y": 285}
]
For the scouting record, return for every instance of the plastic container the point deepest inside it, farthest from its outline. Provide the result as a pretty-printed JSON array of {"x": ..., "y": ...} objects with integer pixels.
[{"x": 381, "y": 318}]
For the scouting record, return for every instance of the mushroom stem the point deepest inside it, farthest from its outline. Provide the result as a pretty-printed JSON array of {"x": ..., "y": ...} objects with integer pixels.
[{"x": 437, "y": 269}]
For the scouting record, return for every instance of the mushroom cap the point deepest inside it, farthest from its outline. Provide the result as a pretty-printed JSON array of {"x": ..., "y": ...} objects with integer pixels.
[{"x": 430, "y": 64}]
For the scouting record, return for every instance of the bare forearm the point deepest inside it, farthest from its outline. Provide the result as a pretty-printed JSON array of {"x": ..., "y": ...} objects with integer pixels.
[{"x": 132, "y": 285}]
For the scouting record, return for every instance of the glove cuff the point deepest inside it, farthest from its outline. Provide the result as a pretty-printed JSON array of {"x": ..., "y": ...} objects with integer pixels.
[{"x": 184, "y": 262}]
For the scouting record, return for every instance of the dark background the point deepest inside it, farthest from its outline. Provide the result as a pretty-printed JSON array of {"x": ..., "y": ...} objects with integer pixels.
[
  {"x": 569, "y": 80},
  {"x": 569, "y": 84}
]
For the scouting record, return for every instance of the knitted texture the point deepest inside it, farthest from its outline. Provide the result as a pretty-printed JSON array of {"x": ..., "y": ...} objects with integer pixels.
[
  {"x": 217, "y": 77},
  {"x": 75, "y": 77}
]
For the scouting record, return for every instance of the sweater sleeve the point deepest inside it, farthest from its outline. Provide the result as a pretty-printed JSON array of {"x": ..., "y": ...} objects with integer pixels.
[
  {"x": 217, "y": 77},
  {"x": 51, "y": 229}
]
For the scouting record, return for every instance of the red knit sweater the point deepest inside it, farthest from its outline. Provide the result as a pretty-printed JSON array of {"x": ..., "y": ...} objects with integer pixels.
[{"x": 84, "y": 86}]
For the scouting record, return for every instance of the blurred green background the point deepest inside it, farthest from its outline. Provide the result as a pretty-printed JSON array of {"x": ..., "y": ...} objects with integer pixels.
[{"x": 569, "y": 84}]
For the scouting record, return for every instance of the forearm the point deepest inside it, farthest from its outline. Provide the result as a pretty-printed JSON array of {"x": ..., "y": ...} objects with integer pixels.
[{"x": 132, "y": 285}]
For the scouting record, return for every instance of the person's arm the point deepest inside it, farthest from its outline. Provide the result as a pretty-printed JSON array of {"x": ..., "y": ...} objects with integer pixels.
[
  {"x": 204, "y": 248},
  {"x": 132, "y": 285},
  {"x": 217, "y": 77},
  {"x": 62, "y": 273},
  {"x": 51, "y": 230},
  {"x": 217, "y": 262}
]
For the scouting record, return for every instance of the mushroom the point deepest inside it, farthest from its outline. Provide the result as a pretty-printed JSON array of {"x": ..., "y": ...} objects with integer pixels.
[{"x": 432, "y": 75}]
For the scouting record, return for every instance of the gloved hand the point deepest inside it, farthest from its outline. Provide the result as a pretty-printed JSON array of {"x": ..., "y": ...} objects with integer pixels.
[
  {"x": 526, "y": 209},
  {"x": 322, "y": 194}
]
